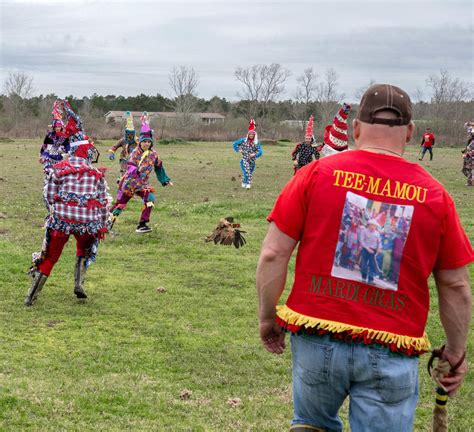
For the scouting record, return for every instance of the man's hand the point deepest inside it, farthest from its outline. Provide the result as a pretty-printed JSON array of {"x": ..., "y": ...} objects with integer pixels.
[
  {"x": 453, "y": 381},
  {"x": 455, "y": 300},
  {"x": 273, "y": 338},
  {"x": 295, "y": 163}
]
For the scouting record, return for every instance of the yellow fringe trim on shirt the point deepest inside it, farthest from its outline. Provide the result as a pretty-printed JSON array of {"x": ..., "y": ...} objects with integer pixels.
[{"x": 291, "y": 317}]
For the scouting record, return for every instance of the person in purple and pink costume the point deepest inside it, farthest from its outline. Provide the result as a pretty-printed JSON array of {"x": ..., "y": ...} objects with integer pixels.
[{"x": 143, "y": 160}]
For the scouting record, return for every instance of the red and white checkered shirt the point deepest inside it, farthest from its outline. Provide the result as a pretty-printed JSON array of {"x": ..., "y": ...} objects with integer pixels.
[{"x": 76, "y": 193}]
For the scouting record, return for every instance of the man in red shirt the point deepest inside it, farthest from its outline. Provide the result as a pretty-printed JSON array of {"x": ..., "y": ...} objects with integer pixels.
[
  {"x": 352, "y": 336},
  {"x": 427, "y": 143}
]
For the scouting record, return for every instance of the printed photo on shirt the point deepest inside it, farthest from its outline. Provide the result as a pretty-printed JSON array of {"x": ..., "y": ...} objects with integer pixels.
[{"x": 371, "y": 239}]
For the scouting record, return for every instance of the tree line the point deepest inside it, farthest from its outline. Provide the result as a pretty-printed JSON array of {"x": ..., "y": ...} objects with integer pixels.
[{"x": 261, "y": 90}]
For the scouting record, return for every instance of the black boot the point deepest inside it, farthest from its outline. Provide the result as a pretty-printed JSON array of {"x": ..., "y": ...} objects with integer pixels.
[
  {"x": 79, "y": 277},
  {"x": 37, "y": 284}
]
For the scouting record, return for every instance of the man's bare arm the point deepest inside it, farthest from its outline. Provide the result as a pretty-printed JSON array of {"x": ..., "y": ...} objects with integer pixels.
[
  {"x": 271, "y": 278},
  {"x": 455, "y": 308}
]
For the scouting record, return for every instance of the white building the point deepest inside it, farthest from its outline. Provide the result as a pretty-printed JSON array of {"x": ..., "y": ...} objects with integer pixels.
[{"x": 204, "y": 118}]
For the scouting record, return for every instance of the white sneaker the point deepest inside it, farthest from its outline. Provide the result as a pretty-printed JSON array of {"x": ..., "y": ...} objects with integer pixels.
[
  {"x": 248, "y": 186},
  {"x": 243, "y": 185}
]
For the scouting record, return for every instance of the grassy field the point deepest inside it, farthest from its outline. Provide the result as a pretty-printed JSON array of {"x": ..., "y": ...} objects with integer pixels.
[{"x": 167, "y": 339}]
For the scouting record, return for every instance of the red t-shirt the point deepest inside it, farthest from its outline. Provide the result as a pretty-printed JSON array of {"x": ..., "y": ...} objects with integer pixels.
[
  {"x": 378, "y": 295},
  {"x": 428, "y": 139}
]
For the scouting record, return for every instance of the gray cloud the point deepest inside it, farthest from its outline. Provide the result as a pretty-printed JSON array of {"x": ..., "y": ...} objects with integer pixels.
[{"x": 129, "y": 48}]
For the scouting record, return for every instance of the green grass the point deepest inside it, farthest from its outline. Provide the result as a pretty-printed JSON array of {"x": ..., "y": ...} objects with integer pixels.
[{"x": 120, "y": 360}]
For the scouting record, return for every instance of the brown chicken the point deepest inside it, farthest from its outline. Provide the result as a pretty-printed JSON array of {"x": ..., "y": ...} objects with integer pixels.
[{"x": 227, "y": 233}]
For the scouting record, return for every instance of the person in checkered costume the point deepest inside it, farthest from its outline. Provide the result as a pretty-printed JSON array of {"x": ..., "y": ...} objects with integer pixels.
[
  {"x": 136, "y": 181},
  {"x": 76, "y": 196},
  {"x": 250, "y": 149}
]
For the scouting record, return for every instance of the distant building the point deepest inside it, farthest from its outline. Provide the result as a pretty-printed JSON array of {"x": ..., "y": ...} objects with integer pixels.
[
  {"x": 204, "y": 118},
  {"x": 294, "y": 124}
]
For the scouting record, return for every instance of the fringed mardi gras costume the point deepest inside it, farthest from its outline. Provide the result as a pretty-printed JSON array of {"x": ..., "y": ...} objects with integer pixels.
[
  {"x": 251, "y": 150},
  {"x": 76, "y": 196},
  {"x": 136, "y": 180}
]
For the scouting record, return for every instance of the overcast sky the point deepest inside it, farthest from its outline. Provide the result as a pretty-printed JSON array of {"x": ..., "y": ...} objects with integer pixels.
[{"x": 127, "y": 48}]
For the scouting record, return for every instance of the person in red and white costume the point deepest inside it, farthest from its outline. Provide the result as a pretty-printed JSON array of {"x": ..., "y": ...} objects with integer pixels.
[
  {"x": 76, "y": 196},
  {"x": 427, "y": 143},
  {"x": 362, "y": 338},
  {"x": 335, "y": 134}
]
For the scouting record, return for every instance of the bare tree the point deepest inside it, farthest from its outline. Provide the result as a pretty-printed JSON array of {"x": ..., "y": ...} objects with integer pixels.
[
  {"x": 305, "y": 95},
  {"x": 261, "y": 84},
  {"x": 444, "y": 88},
  {"x": 19, "y": 84},
  {"x": 306, "y": 90},
  {"x": 328, "y": 96},
  {"x": 18, "y": 88},
  {"x": 361, "y": 90},
  {"x": 184, "y": 81},
  {"x": 418, "y": 95}
]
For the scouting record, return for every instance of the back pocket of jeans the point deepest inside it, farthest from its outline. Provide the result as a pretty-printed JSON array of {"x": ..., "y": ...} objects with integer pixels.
[
  {"x": 311, "y": 360},
  {"x": 395, "y": 378}
]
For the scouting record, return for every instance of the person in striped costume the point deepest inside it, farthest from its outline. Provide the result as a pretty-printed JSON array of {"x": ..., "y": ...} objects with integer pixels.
[{"x": 335, "y": 135}]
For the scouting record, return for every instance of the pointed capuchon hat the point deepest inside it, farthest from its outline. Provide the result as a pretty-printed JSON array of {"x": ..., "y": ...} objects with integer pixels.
[
  {"x": 309, "y": 128},
  {"x": 129, "y": 125},
  {"x": 145, "y": 132},
  {"x": 80, "y": 144},
  {"x": 335, "y": 135},
  {"x": 252, "y": 126},
  {"x": 129, "y": 133},
  {"x": 252, "y": 129},
  {"x": 57, "y": 114}
]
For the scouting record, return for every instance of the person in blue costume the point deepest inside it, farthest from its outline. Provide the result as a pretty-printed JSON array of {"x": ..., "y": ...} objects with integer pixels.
[{"x": 251, "y": 150}]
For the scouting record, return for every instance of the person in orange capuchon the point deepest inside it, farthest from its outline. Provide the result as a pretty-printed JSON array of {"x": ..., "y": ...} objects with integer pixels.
[
  {"x": 427, "y": 143},
  {"x": 354, "y": 337}
]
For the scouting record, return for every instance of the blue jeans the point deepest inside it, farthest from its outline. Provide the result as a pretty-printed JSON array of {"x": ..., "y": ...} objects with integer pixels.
[
  {"x": 382, "y": 386},
  {"x": 424, "y": 150},
  {"x": 368, "y": 268}
]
